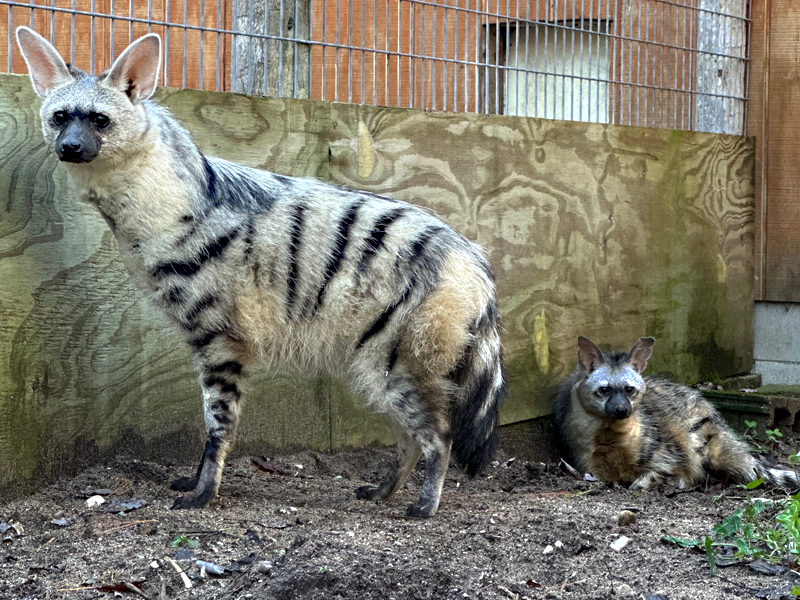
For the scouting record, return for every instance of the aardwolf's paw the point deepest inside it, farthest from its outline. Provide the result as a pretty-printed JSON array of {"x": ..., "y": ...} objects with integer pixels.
[
  {"x": 420, "y": 511},
  {"x": 368, "y": 492},
  {"x": 184, "y": 484},
  {"x": 192, "y": 500}
]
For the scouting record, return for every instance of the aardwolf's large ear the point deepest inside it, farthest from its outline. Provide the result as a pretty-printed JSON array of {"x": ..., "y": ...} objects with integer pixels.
[
  {"x": 640, "y": 353},
  {"x": 136, "y": 70},
  {"x": 589, "y": 355},
  {"x": 45, "y": 65}
]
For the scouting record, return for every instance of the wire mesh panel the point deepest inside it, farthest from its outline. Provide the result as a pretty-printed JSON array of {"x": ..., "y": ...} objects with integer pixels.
[{"x": 661, "y": 63}]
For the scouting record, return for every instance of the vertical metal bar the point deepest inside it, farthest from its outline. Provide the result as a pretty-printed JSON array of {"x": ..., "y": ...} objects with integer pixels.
[
  {"x": 615, "y": 86},
  {"x": 111, "y": 34},
  {"x": 149, "y": 15},
  {"x": 502, "y": 109},
  {"x": 581, "y": 61},
  {"x": 296, "y": 45},
  {"x": 202, "y": 26},
  {"x": 183, "y": 58},
  {"x": 399, "y": 51},
  {"x": 130, "y": 23},
  {"x": 516, "y": 63},
  {"x": 10, "y": 36},
  {"x": 605, "y": 87},
  {"x": 71, "y": 34},
  {"x": 600, "y": 76},
  {"x": 486, "y": 64},
  {"x": 167, "y": 18},
  {"x": 53, "y": 23},
  {"x": 535, "y": 59},
  {"x": 336, "y": 59},
  {"x": 564, "y": 63},
  {"x": 638, "y": 59},
  {"x": 310, "y": 35},
  {"x": 455, "y": 55},
  {"x": 477, "y": 65},
  {"x": 281, "y": 20},
  {"x": 375, "y": 59},
  {"x": 674, "y": 22},
  {"x": 363, "y": 45},
  {"x": 324, "y": 43},
  {"x": 217, "y": 82},
  {"x": 544, "y": 69},
  {"x": 444, "y": 56},
  {"x": 444, "y": 64},
  {"x": 591, "y": 84},
  {"x": 349, "y": 49},
  {"x": 91, "y": 39},
  {"x": 386, "y": 56},
  {"x": 631, "y": 87},
  {"x": 646, "y": 60},
  {"x": 683, "y": 71},
  {"x": 422, "y": 103},
  {"x": 661, "y": 76},
  {"x": 411, "y": 53},
  {"x": 235, "y": 79},
  {"x": 262, "y": 43},
  {"x": 433, "y": 62}
]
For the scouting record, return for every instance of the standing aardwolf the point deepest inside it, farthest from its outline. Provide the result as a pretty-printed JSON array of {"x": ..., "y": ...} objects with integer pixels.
[
  {"x": 642, "y": 431},
  {"x": 254, "y": 266}
]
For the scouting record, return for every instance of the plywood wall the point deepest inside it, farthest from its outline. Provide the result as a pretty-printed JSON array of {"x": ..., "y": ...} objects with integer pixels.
[
  {"x": 773, "y": 117},
  {"x": 606, "y": 231}
]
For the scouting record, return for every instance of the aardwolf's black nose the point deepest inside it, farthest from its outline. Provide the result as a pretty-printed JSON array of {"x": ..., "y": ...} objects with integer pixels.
[{"x": 76, "y": 145}]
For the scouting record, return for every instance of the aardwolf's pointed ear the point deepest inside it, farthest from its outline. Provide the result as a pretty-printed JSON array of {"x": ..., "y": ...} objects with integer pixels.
[
  {"x": 45, "y": 65},
  {"x": 640, "y": 353},
  {"x": 589, "y": 355},
  {"x": 136, "y": 70}
]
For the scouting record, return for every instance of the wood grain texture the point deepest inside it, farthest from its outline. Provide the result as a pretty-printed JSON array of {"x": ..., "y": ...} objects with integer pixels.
[
  {"x": 775, "y": 116},
  {"x": 611, "y": 232}
]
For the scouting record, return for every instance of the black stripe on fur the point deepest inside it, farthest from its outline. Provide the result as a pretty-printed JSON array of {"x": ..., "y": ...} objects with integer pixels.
[
  {"x": 190, "y": 267},
  {"x": 337, "y": 254},
  {"x": 292, "y": 275}
]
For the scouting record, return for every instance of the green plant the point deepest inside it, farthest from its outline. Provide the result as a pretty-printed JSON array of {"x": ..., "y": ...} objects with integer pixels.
[
  {"x": 773, "y": 435},
  {"x": 770, "y": 532},
  {"x": 184, "y": 540}
]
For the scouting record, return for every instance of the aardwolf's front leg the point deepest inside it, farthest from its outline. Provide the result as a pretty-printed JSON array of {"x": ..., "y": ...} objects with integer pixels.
[{"x": 221, "y": 410}]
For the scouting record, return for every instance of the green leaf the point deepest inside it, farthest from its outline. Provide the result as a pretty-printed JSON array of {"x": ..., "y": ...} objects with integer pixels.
[
  {"x": 712, "y": 565},
  {"x": 794, "y": 458},
  {"x": 682, "y": 542},
  {"x": 751, "y": 424},
  {"x": 795, "y": 590},
  {"x": 754, "y": 484}
]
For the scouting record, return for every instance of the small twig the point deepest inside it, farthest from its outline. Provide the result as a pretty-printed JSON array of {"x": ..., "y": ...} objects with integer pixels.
[
  {"x": 47, "y": 543},
  {"x": 76, "y": 589},
  {"x": 187, "y": 583},
  {"x": 136, "y": 590},
  {"x": 128, "y": 525}
]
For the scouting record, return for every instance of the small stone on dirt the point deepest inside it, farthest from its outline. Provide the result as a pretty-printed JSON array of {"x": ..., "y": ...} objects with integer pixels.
[
  {"x": 62, "y": 522},
  {"x": 626, "y": 518},
  {"x": 624, "y": 591},
  {"x": 548, "y": 549},
  {"x": 264, "y": 567},
  {"x": 618, "y": 544},
  {"x": 95, "y": 500}
]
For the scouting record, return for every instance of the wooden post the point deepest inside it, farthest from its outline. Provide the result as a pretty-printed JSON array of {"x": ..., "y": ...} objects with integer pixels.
[{"x": 274, "y": 66}]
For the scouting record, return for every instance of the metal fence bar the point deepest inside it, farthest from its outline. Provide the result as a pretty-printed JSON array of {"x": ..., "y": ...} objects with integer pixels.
[{"x": 666, "y": 63}]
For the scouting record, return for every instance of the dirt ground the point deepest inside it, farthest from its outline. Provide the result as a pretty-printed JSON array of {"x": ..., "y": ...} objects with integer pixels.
[{"x": 293, "y": 529}]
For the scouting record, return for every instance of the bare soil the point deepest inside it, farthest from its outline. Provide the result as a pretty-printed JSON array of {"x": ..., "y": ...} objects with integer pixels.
[{"x": 488, "y": 539}]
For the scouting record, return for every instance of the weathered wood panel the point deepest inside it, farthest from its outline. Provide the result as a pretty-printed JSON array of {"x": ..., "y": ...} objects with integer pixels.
[
  {"x": 611, "y": 232},
  {"x": 775, "y": 117},
  {"x": 605, "y": 231}
]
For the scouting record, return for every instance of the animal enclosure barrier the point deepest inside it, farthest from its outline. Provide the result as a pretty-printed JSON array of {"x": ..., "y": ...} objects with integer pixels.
[{"x": 679, "y": 64}]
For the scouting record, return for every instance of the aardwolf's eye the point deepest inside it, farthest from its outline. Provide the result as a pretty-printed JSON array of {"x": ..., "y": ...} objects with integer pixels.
[
  {"x": 629, "y": 390},
  {"x": 604, "y": 390},
  {"x": 100, "y": 120},
  {"x": 60, "y": 117}
]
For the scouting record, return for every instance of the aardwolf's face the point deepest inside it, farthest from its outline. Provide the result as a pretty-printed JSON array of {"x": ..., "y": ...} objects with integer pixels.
[
  {"x": 613, "y": 384},
  {"x": 86, "y": 118}
]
